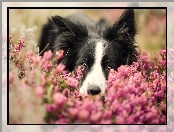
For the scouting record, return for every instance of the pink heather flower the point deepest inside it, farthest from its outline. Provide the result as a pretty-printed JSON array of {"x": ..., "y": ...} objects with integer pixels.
[
  {"x": 108, "y": 121},
  {"x": 61, "y": 121},
  {"x": 87, "y": 104},
  {"x": 10, "y": 39},
  {"x": 107, "y": 114},
  {"x": 56, "y": 89},
  {"x": 79, "y": 73},
  {"x": 59, "y": 54},
  {"x": 59, "y": 68},
  {"x": 46, "y": 65},
  {"x": 39, "y": 91},
  {"x": 135, "y": 94},
  {"x": 43, "y": 79},
  {"x": 119, "y": 119},
  {"x": 16, "y": 48},
  {"x": 72, "y": 82},
  {"x": 36, "y": 59},
  {"x": 83, "y": 114},
  {"x": 54, "y": 82},
  {"x": 95, "y": 117},
  {"x": 47, "y": 55},
  {"x": 163, "y": 53},
  {"x": 73, "y": 112},
  {"x": 31, "y": 66},
  {"x": 124, "y": 70},
  {"x": 48, "y": 107},
  {"x": 21, "y": 42},
  {"x": 59, "y": 98},
  {"x": 29, "y": 55},
  {"x": 111, "y": 77},
  {"x": 70, "y": 103},
  {"x": 64, "y": 74}
]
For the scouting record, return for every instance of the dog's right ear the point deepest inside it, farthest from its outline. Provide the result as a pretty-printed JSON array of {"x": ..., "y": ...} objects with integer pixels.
[
  {"x": 75, "y": 27},
  {"x": 125, "y": 27}
]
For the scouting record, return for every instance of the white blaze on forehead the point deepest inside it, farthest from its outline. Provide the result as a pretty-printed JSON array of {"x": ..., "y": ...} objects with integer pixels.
[{"x": 96, "y": 76}]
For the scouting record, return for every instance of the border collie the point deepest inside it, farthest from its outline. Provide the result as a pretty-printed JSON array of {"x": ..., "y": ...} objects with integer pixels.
[{"x": 97, "y": 46}]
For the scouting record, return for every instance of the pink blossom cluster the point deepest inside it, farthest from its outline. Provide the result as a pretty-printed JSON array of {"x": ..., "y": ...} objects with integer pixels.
[
  {"x": 135, "y": 94},
  {"x": 17, "y": 47},
  {"x": 15, "y": 50},
  {"x": 138, "y": 96}
]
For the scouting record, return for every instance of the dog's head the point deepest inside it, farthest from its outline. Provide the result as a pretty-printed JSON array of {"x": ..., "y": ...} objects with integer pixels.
[{"x": 98, "y": 47}]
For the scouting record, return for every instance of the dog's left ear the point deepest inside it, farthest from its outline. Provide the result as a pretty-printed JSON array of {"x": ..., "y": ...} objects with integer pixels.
[
  {"x": 125, "y": 27},
  {"x": 75, "y": 27}
]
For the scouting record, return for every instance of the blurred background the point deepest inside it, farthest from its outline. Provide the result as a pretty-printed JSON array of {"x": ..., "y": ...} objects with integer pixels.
[{"x": 151, "y": 24}]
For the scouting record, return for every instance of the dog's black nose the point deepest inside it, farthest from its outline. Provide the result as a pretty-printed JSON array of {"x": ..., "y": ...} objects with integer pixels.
[{"x": 93, "y": 90}]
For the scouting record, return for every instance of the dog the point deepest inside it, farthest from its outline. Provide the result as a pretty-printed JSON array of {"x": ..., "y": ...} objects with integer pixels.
[{"x": 96, "y": 46}]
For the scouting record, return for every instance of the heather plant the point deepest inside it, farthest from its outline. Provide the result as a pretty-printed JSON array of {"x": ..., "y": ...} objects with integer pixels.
[{"x": 42, "y": 89}]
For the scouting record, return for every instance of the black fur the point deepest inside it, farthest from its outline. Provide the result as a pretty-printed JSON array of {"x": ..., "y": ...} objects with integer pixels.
[{"x": 77, "y": 34}]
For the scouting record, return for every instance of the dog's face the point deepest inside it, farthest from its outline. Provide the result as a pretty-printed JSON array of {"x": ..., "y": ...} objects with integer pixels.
[
  {"x": 97, "y": 49},
  {"x": 97, "y": 57}
]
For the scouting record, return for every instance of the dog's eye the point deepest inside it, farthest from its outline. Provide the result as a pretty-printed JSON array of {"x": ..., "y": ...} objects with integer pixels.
[
  {"x": 84, "y": 65},
  {"x": 108, "y": 68}
]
